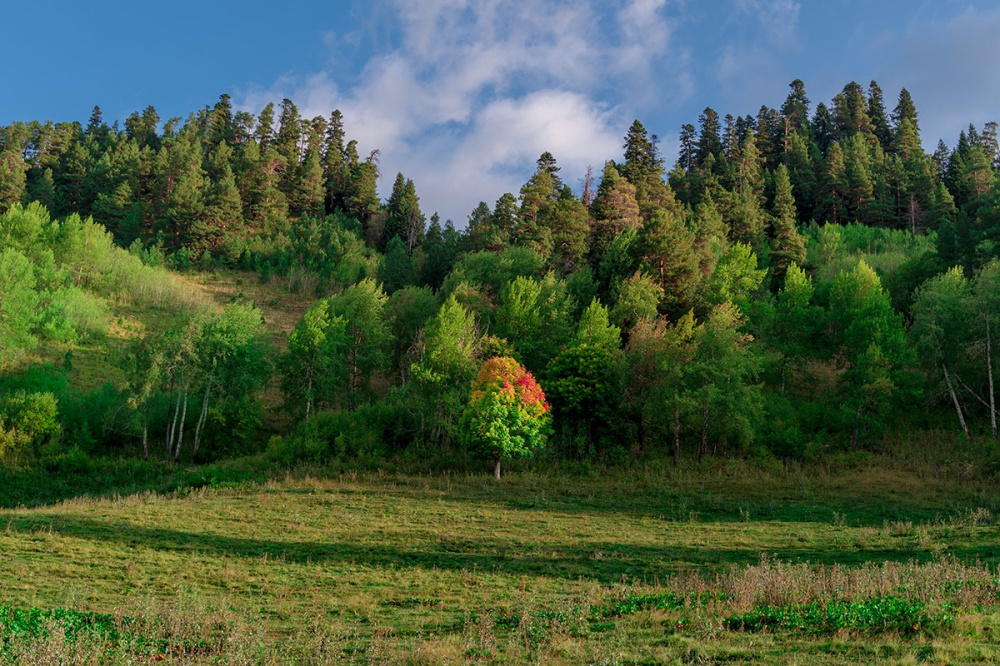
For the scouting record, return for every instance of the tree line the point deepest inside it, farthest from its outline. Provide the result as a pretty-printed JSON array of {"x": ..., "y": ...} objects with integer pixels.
[{"x": 792, "y": 286}]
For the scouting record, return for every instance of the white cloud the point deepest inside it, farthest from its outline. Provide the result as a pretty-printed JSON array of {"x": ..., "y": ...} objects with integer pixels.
[
  {"x": 778, "y": 19},
  {"x": 473, "y": 91}
]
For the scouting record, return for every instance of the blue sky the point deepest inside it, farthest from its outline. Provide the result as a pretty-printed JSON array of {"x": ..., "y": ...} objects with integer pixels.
[{"x": 462, "y": 96}]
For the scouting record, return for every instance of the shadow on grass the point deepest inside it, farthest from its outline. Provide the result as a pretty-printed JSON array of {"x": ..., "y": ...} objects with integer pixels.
[
  {"x": 605, "y": 562},
  {"x": 38, "y": 487},
  {"x": 701, "y": 501}
]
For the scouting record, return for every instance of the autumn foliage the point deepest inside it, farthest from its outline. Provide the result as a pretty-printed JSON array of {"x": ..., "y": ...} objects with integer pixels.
[{"x": 507, "y": 413}]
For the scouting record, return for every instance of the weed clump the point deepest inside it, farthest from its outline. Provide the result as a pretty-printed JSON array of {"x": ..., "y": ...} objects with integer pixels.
[{"x": 879, "y": 615}]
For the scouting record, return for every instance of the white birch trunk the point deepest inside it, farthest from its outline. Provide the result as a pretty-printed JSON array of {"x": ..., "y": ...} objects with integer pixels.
[
  {"x": 954, "y": 399},
  {"x": 989, "y": 372},
  {"x": 202, "y": 417},
  {"x": 180, "y": 431}
]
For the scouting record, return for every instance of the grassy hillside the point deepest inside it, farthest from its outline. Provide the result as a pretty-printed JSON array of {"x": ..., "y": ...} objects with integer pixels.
[{"x": 857, "y": 562}]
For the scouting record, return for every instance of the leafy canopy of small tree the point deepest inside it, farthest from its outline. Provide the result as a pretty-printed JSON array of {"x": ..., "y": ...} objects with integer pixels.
[{"x": 507, "y": 414}]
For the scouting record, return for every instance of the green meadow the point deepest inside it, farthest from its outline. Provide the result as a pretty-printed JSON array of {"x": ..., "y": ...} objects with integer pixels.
[{"x": 878, "y": 559}]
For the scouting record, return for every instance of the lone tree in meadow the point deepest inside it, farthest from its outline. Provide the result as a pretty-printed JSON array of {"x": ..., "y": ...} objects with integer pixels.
[{"x": 507, "y": 413}]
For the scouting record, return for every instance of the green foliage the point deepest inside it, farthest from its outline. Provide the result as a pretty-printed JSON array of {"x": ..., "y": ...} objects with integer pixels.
[
  {"x": 19, "y": 304},
  {"x": 872, "y": 344},
  {"x": 888, "y": 614},
  {"x": 446, "y": 365},
  {"x": 637, "y": 301},
  {"x": 736, "y": 277},
  {"x": 361, "y": 306}
]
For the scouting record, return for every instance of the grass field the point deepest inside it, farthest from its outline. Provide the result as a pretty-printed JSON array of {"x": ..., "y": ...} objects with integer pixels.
[{"x": 730, "y": 562}]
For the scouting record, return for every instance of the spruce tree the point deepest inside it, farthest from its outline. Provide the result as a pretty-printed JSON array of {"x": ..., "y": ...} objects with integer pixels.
[
  {"x": 788, "y": 246},
  {"x": 905, "y": 110},
  {"x": 876, "y": 113}
]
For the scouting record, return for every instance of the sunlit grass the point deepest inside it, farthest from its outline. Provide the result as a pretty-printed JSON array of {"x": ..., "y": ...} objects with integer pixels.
[{"x": 385, "y": 568}]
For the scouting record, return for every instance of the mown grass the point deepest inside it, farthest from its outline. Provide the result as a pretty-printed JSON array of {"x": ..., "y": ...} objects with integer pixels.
[{"x": 731, "y": 562}]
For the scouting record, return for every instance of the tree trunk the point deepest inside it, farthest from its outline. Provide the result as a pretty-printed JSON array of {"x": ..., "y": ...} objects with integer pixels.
[
  {"x": 703, "y": 447},
  {"x": 989, "y": 372},
  {"x": 145, "y": 439},
  {"x": 172, "y": 430},
  {"x": 202, "y": 417},
  {"x": 954, "y": 399},
  {"x": 677, "y": 435},
  {"x": 496, "y": 470},
  {"x": 170, "y": 427},
  {"x": 180, "y": 431},
  {"x": 857, "y": 426},
  {"x": 309, "y": 395}
]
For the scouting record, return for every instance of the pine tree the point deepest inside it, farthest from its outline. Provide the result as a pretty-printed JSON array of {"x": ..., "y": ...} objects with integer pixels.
[
  {"x": 403, "y": 217},
  {"x": 833, "y": 187},
  {"x": 310, "y": 192},
  {"x": 857, "y": 169},
  {"x": 396, "y": 269},
  {"x": 223, "y": 207},
  {"x": 850, "y": 112},
  {"x": 802, "y": 174},
  {"x": 796, "y": 108},
  {"x": 265, "y": 126},
  {"x": 905, "y": 110},
  {"x": 641, "y": 158},
  {"x": 665, "y": 248},
  {"x": 709, "y": 142},
  {"x": 687, "y": 154},
  {"x": 824, "y": 129},
  {"x": 750, "y": 175},
  {"x": 336, "y": 170},
  {"x": 614, "y": 209},
  {"x": 181, "y": 189},
  {"x": 876, "y": 113},
  {"x": 13, "y": 179},
  {"x": 220, "y": 123},
  {"x": 788, "y": 246}
]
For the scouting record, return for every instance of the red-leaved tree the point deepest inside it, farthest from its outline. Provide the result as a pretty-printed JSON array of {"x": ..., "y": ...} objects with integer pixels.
[{"x": 507, "y": 413}]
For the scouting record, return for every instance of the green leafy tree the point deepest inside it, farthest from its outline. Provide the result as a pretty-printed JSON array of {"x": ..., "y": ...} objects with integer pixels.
[
  {"x": 362, "y": 306},
  {"x": 446, "y": 365},
  {"x": 797, "y": 321},
  {"x": 736, "y": 277},
  {"x": 407, "y": 312},
  {"x": 595, "y": 328},
  {"x": 535, "y": 317},
  {"x": 19, "y": 306},
  {"x": 232, "y": 355},
  {"x": 507, "y": 414},
  {"x": 871, "y": 344},
  {"x": 985, "y": 307},
  {"x": 723, "y": 373},
  {"x": 659, "y": 393},
  {"x": 314, "y": 368},
  {"x": 637, "y": 299},
  {"x": 942, "y": 318}
]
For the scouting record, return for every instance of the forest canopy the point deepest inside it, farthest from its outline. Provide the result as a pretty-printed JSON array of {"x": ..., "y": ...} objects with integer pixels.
[{"x": 800, "y": 281}]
